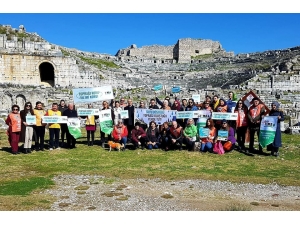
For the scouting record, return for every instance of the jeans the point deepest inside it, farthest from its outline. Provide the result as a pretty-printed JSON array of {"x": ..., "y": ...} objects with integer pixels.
[
  {"x": 150, "y": 147},
  {"x": 206, "y": 147}
]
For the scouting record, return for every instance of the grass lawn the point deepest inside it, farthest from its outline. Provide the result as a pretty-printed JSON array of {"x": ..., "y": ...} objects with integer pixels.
[{"x": 23, "y": 176}]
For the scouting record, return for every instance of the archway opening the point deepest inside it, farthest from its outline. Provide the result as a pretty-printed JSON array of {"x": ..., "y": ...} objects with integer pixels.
[{"x": 47, "y": 74}]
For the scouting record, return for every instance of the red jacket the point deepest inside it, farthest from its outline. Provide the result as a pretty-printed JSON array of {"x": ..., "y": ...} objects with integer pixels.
[
  {"x": 119, "y": 132},
  {"x": 135, "y": 133}
]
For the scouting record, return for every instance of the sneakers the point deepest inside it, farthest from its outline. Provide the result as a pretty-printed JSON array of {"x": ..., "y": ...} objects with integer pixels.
[
  {"x": 50, "y": 149},
  {"x": 58, "y": 148},
  {"x": 103, "y": 145}
]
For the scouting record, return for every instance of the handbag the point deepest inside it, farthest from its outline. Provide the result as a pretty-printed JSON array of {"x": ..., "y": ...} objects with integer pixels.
[
  {"x": 218, "y": 148},
  {"x": 227, "y": 146}
]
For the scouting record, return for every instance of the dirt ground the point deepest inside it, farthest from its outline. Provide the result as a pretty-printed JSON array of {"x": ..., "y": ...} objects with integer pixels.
[{"x": 85, "y": 193}]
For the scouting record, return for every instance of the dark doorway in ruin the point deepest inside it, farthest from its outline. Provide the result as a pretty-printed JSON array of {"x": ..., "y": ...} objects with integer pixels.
[{"x": 47, "y": 74}]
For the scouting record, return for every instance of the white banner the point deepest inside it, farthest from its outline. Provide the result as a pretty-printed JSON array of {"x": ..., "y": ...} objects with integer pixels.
[
  {"x": 158, "y": 115},
  {"x": 222, "y": 116},
  {"x": 124, "y": 114},
  {"x": 193, "y": 114},
  {"x": 87, "y": 112},
  {"x": 105, "y": 115},
  {"x": 55, "y": 119},
  {"x": 87, "y": 95},
  {"x": 31, "y": 120},
  {"x": 196, "y": 98}
]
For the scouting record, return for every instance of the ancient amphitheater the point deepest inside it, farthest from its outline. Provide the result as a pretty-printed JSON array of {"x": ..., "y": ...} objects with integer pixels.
[{"x": 33, "y": 69}]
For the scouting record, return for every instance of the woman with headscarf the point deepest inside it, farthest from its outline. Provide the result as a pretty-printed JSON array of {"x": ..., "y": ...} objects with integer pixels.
[{"x": 274, "y": 147}]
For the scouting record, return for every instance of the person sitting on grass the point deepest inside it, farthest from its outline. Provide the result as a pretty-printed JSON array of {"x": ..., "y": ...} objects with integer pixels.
[
  {"x": 152, "y": 136},
  {"x": 207, "y": 143},
  {"x": 176, "y": 133},
  {"x": 165, "y": 136},
  {"x": 190, "y": 134},
  {"x": 138, "y": 136},
  {"x": 229, "y": 144},
  {"x": 120, "y": 133}
]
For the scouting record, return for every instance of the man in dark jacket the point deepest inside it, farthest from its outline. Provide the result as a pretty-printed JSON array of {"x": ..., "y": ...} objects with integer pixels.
[
  {"x": 70, "y": 113},
  {"x": 152, "y": 104}
]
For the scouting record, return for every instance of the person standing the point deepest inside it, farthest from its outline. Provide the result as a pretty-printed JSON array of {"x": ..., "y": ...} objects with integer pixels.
[
  {"x": 14, "y": 128},
  {"x": 90, "y": 127},
  {"x": 255, "y": 114},
  {"x": 116, "y": 112},
  {"x": 105, "y": 106},
  {"x": 63, "y": 127},
  {"x": 129, "y": 123},
  {"x": 241, "y": 124},
  {"x": 26, "y": 130},
  {"x": 152, "y": 104},
  {"x": 274, "y": 147},
  {"x": 70, "y": 113},
  {"x": 39, "y": 128},
  {"x": 54, "y": 128}
]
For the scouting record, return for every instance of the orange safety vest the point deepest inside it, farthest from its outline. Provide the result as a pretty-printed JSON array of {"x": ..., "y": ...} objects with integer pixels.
[
  {"x": 242, "y": 118},
  {"x": 255, "y": 110},
  {"x": 175, "y": 132},
  {"x": 15, "y": 122}
]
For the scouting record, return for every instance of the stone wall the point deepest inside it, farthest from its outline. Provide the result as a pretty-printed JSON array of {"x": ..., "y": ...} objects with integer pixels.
[
  {"x": 25, "y": 69},
  {"x": 193, "y": 47},
  {"x": 182, "y": 51}
]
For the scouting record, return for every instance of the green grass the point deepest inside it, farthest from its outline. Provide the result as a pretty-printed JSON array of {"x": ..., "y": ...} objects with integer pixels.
[
  {"x": 25, "y": 186},
  {"x": 25, "y": 173},
  {"x": 99, "y": 63}
]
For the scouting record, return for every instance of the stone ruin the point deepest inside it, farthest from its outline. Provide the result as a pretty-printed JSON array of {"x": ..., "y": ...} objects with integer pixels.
[{"x": 181, "y": 52}]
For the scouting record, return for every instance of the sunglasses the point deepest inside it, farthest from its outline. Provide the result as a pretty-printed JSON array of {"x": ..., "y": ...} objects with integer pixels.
[
  {"x": 15, "y": 109},
  {"x": 122, "y": 100},
  {"x": 28, "y": 105},
  {"x": 225, "y": 123},
  {"x": 240, "y": 103}
]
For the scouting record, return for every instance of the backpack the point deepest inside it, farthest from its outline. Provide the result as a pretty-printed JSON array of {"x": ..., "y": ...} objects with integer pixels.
[{"x": 218, "y": 148}]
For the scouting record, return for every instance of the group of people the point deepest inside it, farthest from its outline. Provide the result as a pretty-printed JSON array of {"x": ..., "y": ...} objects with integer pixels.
[
  {"x": 169, "y": 135},
  {"x": 21, "y": 130},
  {"x": 185, "y": 131}
]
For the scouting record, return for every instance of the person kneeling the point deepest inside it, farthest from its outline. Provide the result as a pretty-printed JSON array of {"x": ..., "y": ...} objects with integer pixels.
[{"x": 138, "y": 136}]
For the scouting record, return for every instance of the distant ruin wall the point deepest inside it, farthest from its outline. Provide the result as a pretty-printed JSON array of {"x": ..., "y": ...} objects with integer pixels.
[
  {"x": 154, "y": 51},
  {"x": 25, "y": 69},
  {"x": 191, "y": 47},
  {"x": 182, "y": 51}
]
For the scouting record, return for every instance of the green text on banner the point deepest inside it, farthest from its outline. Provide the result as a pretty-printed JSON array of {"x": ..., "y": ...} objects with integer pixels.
[
  {"x": 106, "y": 123},
  {"x": 267, "y": 130}
]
